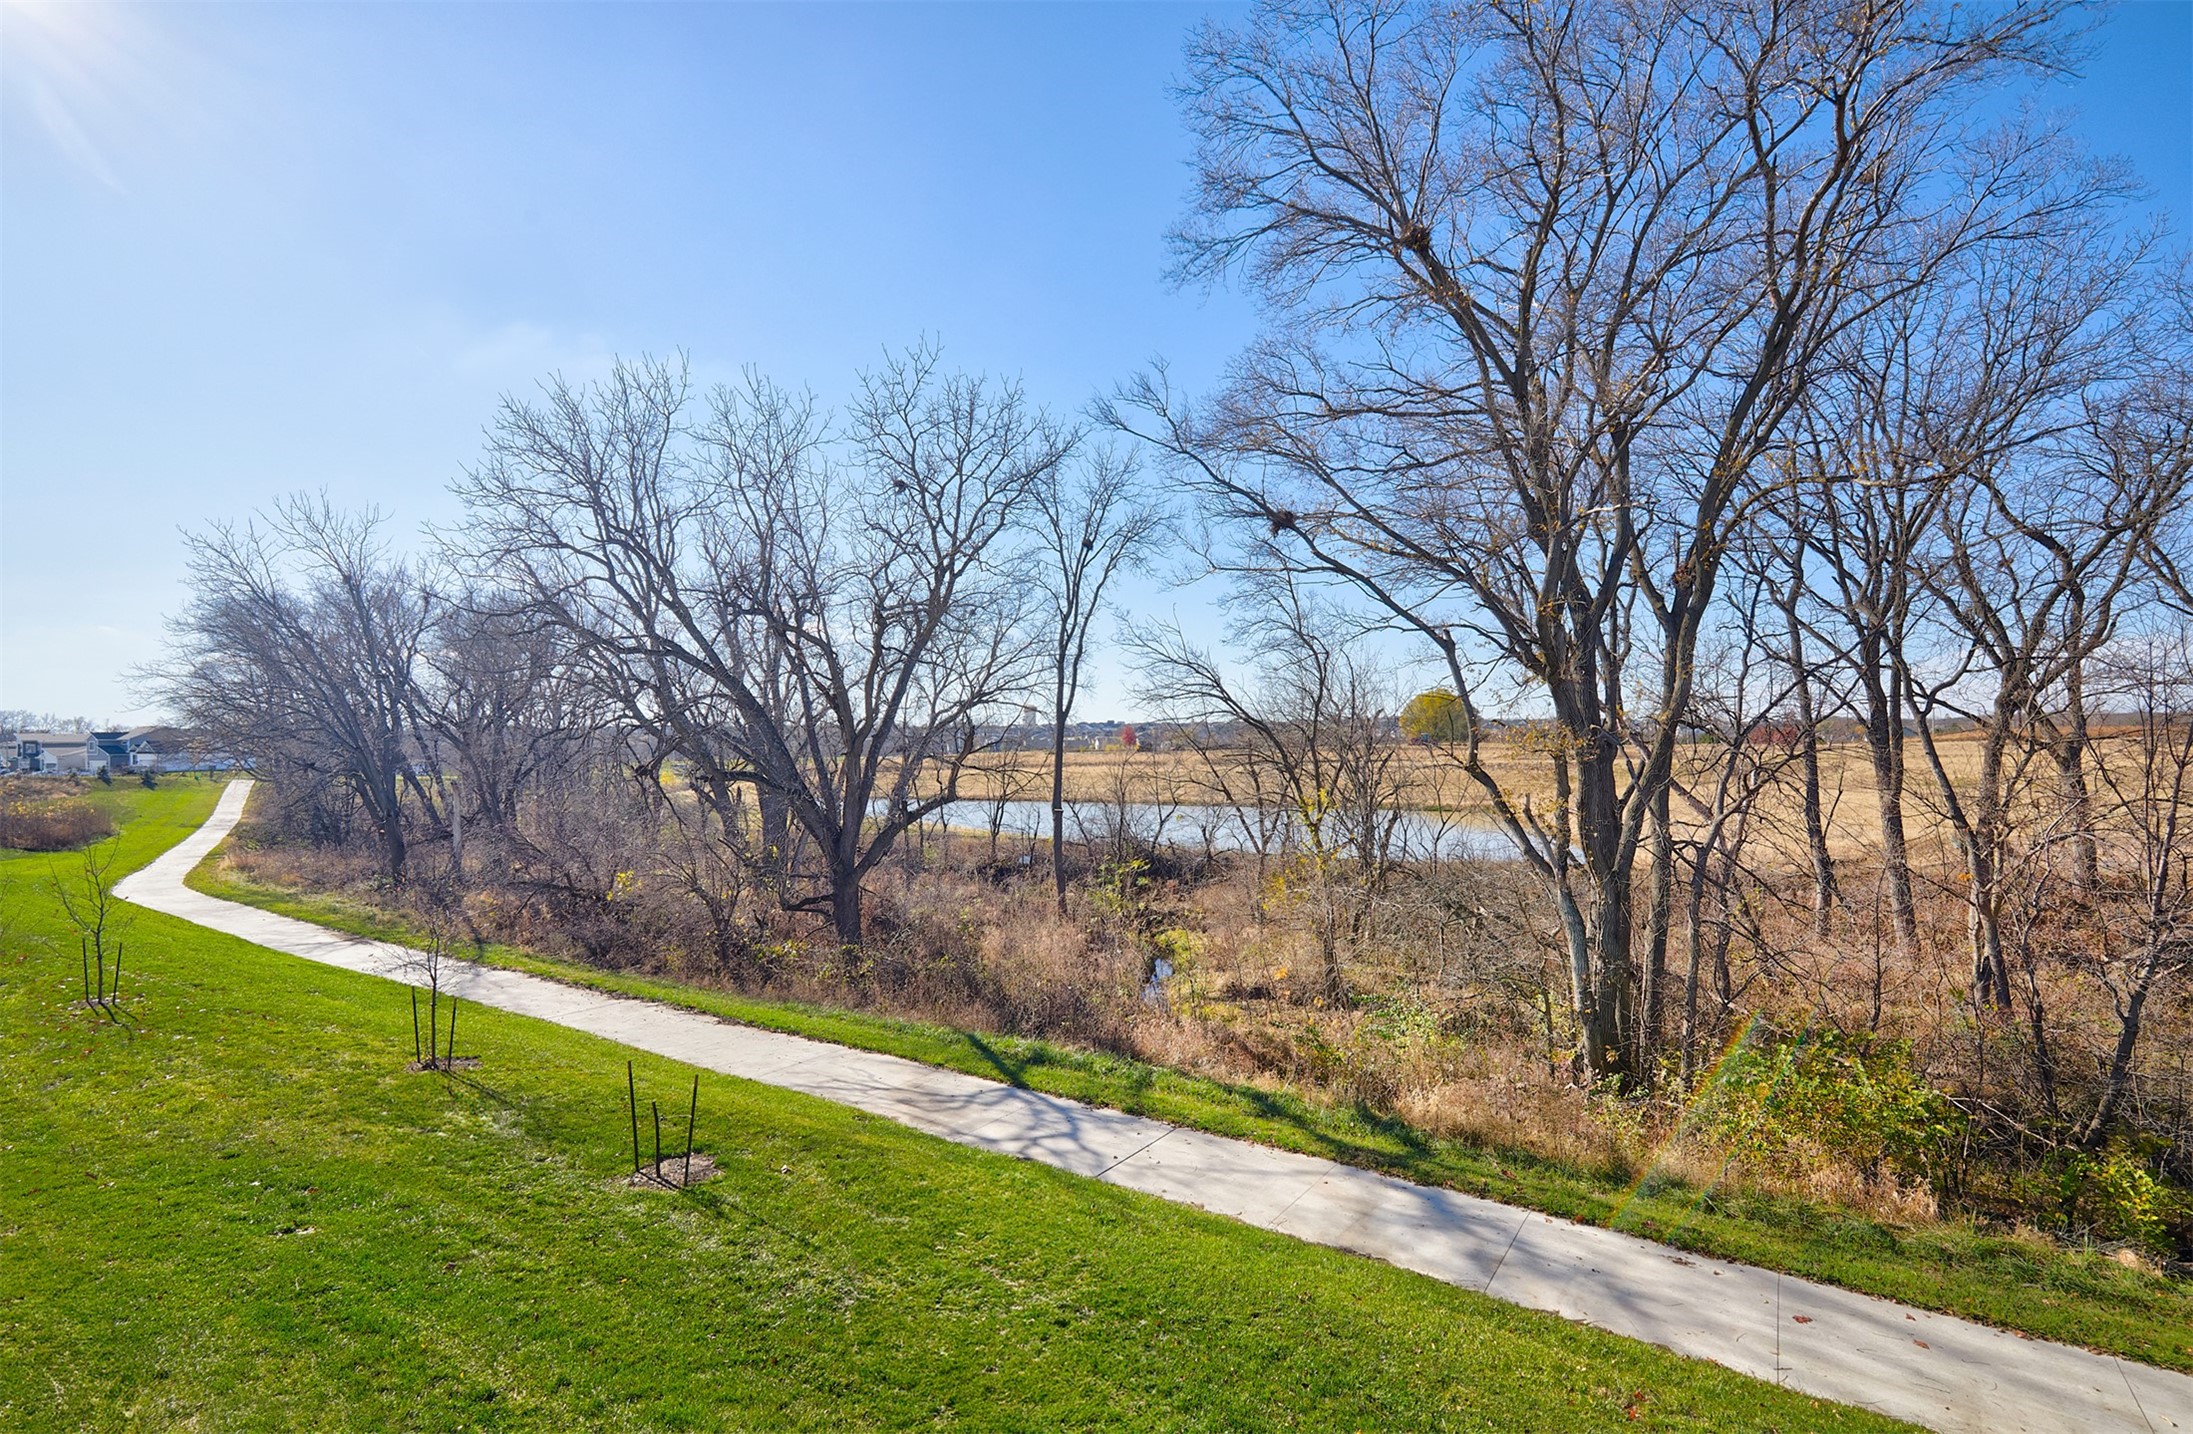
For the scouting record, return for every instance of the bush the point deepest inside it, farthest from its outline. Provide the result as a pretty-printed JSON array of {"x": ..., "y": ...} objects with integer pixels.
[
  {"x": 2112, "y": 1194},
  {"x": 1785, "y": 1105},
  {"x": 34, "y": 820}
]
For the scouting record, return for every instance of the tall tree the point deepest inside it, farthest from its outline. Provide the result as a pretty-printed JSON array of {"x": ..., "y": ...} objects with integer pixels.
[
  {"x": 821, "y": 618},
  {"x": 1092, "y": 521},
  {"x": 502, "y": 710},
  {"x": 2039, "y": 550},
  {"x": 1548, "y": 279},
  {"x": 301, "y": 649}
]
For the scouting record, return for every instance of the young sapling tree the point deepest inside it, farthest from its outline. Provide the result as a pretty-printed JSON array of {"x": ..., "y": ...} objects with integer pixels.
[{"x": 101, "y": 919}]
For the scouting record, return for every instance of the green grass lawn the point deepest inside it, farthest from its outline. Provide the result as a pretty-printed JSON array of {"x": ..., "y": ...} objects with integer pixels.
[
  {"x": 2079, "y": 1297},
  {"x": 235, "y": 1209}
]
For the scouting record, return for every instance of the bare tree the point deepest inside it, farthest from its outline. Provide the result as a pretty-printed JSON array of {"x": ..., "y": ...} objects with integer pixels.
[
  {"x": 502, "y": 709},
  {"x": 2038, "y": 550},
  {"x": 300, "y": 649},
  {"x": 1249, "y": 792},
  {"x": 1551, "y": 279},
  {"x": 1739, "y": 690},
  {"x": 1870, "y": 488},
  {"x": 1929, "y": 416},
  {"x": 821, "y": 620},
  {"x": 2147, "y": 786},
  {"x": 102, "y": 921},
  {"x": 1787, "y": 588},
  {"x": 1311, "y": 723},
  {"x": 1091, "y": 521}
]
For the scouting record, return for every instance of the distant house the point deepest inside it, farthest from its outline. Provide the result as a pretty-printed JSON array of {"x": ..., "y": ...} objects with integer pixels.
[
  {"x": 149, "y": 749},
  {"x": 107, "y": 749},
  {"x": 56, "y": 752},
  {"x": 113, "y": 745}
]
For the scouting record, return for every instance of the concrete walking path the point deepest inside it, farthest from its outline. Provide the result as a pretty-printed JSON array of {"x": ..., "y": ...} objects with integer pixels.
[{"x": 1945, "y": 1373}]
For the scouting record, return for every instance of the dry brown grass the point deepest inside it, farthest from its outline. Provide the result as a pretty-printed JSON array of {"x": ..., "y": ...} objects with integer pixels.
[{"x": 45, "y": 814}]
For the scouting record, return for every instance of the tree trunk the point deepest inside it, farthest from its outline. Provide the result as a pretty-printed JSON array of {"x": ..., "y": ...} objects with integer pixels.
[
  {"x": 1982, "y": 842},
  {"x": 2071, "y": 773},
  {"x": 1984, "y": 929},
  {"x": 1808, "y": 752},
  {"x": 385, "y": 802},
  {"x": 456, "y": 836},
  {"x": 1653, "y": 997},
  {"x": 1582, "y": 993},
  {"x": 1695, "y": 953},
  {"x": 2119, "y": 1075},
  {"x": 845, "y": 907},
  {"x": 1609, "y": 1021},
  {"x": 1596, "y": 922},
  {"x": 776, "y": 831},
  {"x": 1058, "y": 791},
  {"x": 1885, "y": 745},
  {"x": 1335, "y": 984},
  {"x": 1613, "y": 1019}
]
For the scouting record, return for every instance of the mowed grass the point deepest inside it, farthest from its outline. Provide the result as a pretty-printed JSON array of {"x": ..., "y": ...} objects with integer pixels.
[
  {"x": 236, "y": 1210},
  {"x": 2021, "y": 1282}
]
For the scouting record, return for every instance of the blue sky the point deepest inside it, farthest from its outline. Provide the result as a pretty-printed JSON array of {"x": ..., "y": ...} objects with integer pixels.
[{"x": 248, "y": 249}]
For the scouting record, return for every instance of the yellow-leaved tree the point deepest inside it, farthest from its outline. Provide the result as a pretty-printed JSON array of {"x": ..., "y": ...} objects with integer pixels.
[{"x": 1434, "y": 716}]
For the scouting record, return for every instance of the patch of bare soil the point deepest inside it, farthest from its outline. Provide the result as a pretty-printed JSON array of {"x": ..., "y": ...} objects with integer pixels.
[
  {"x": 673, "y": 1173},
  {"x": 445, "y": 1063}
]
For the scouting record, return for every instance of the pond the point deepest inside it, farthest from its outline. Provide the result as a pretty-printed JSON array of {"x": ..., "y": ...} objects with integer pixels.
[{"x": 1418, "y": 836}]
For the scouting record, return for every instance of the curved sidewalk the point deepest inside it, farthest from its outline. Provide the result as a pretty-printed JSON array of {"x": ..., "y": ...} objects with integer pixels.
[{"x": 1935, "y": 1370}]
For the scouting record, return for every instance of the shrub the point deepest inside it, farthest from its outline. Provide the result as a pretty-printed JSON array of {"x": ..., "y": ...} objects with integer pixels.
[
  {"x": 1786, "y": 1105},
  {"x": 1120, "y": 891},
  {"x": 2112, "y": 1194}
]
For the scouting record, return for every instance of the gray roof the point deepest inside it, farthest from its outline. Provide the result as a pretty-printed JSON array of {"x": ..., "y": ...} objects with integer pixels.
[{"x": 52, "y": 740}]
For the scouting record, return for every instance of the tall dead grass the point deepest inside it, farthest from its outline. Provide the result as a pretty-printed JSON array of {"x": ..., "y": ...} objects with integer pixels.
[{"x": 47, "y": 814}]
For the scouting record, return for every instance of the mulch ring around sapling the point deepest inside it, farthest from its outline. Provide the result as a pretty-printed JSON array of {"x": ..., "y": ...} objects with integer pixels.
[
  {"x": 671, "y": 1173},
  {"x": 445, "y": 1063}
]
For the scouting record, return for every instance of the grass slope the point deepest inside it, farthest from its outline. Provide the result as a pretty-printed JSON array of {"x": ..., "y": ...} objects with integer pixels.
[
  {"x": 236, "y": 1210},
  {"x": 2078, "y": 1297}
]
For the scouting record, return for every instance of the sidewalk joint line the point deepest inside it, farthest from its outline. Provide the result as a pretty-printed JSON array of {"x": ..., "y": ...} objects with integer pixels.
[
  {"x": 1321, "y": 1179},
  {"x": 1501, "y": 1263},
  {"x": 1133, "y": 1153},
  {"x": 2126, "y": 1375}
]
